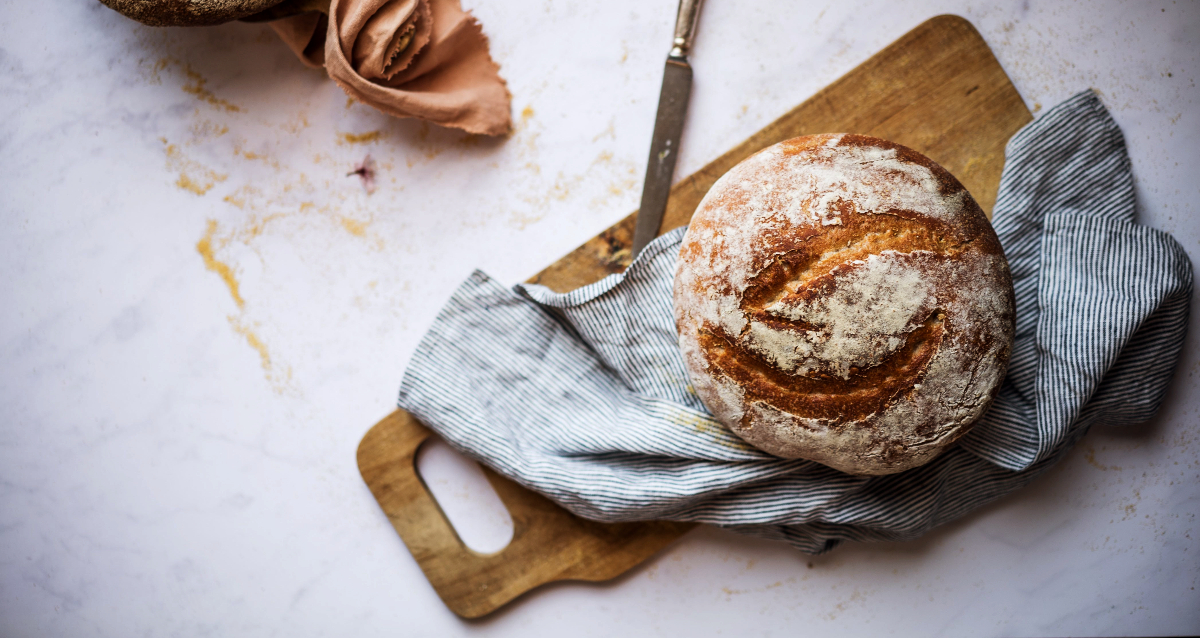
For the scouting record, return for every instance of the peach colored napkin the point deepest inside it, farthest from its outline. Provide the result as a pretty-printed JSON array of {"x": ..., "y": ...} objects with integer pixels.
[
  {"x": 304, "y": 34},
  {"x": 408, "y": 58}
]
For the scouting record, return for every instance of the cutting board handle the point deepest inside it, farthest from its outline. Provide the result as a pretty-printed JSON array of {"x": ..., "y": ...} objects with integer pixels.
[{"x": 548, "y": 543}]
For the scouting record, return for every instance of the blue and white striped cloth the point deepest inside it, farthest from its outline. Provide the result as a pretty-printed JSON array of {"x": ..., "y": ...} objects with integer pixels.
[{"x": 583, "y": 396}]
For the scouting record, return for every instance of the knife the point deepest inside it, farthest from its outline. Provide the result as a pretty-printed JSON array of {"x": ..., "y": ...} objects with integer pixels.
[{"x": 668, "y": 127}]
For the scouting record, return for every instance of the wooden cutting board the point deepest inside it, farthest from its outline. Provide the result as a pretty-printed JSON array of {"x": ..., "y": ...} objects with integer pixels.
[{"x": 938, "y": 90}]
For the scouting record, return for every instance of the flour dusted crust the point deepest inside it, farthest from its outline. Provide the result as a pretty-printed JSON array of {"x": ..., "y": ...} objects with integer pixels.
[{"x": 843, "y": 299}]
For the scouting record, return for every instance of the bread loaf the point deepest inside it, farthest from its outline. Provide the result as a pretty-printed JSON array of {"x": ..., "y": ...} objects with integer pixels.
[
  {"x": 187, "y": 13},
  {"x": 843, "y": 299}
]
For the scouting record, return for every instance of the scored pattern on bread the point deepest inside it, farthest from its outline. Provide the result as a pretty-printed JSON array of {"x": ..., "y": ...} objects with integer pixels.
[{"x": 843, "y": 299}]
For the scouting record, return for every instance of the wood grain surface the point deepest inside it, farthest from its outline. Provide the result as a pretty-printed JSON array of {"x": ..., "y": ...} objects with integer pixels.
[
  {"x": 548, "y": 543},
  {"x": 938, "y": 89}
]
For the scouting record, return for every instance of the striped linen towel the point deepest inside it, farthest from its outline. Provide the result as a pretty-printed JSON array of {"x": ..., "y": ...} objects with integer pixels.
[{"x": 583, "y": 396}]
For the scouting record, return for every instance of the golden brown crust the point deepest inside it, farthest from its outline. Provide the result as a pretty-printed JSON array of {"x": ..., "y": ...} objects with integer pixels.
[
  {"x": 187, "y": 13},
  {"x": 843, "y": 299}
]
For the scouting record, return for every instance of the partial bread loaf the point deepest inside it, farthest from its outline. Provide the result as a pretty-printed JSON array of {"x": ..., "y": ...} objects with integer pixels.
[
  {"x": 843, "y": 299},
  {"x": 188, "y": 13}
]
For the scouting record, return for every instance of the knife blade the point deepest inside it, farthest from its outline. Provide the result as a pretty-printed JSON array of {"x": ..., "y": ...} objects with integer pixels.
[{"x": 668, "y": 128}]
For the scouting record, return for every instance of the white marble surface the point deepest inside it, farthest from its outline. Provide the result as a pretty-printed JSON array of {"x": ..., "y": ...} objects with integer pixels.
[{"x": 174, "y": 461}]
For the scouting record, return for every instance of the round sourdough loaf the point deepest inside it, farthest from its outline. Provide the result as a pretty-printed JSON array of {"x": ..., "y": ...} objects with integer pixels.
[{"x": 843, "y": 299}]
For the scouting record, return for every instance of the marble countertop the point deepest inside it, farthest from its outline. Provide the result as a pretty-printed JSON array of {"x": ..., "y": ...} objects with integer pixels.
[{"x": 201, "y": 314}]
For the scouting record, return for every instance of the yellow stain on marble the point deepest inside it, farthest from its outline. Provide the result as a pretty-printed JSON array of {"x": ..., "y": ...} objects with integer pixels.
[
  {"x": 624, "y": 181},
  {"x": 526, "y": 114},
  {"x": 238, "y": 151},
  {"x": 610, "y": 132},
  {"x": 361, "y": 138},
  {"x": 523, "y": 221},
  {"x": 563, "y": 185},
  {"x": 619, "y": 188},
  {"x": 730, "y": 591},
  {"x": 208, "y": 246},
  {"x": 354, "y": 226},
  {"x": 1089, "y": 455},
  {"x": 255, "y": 226},
  {"x": 253, "y": 339},
  {"x": 194, "y": 177},
  {"x": 240, "y": 198},
  {"x": 296, "y": 124},
  {"x": 426, "y": 143},
  {"x": 187, "y": 184},
  {"x": 205, "y": 129},
  {"x": 431, "y": 149},
  {"x": 856, "y": 596},
  {"x": 252, "y": 200},
  {"x": 280, "y": 202},
  {"x": 279, "y": 379},
  {"x": 195, "y": 86},
  {"x": 154, "y": 75},
  {"x": 207, "y": 252}
]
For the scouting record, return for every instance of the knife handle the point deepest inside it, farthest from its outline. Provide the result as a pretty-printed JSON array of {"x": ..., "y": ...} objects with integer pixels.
[{"x": 685, "y": 26}]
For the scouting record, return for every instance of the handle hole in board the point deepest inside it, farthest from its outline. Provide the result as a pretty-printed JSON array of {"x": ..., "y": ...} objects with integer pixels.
[{"x": 466, "y": 497}]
